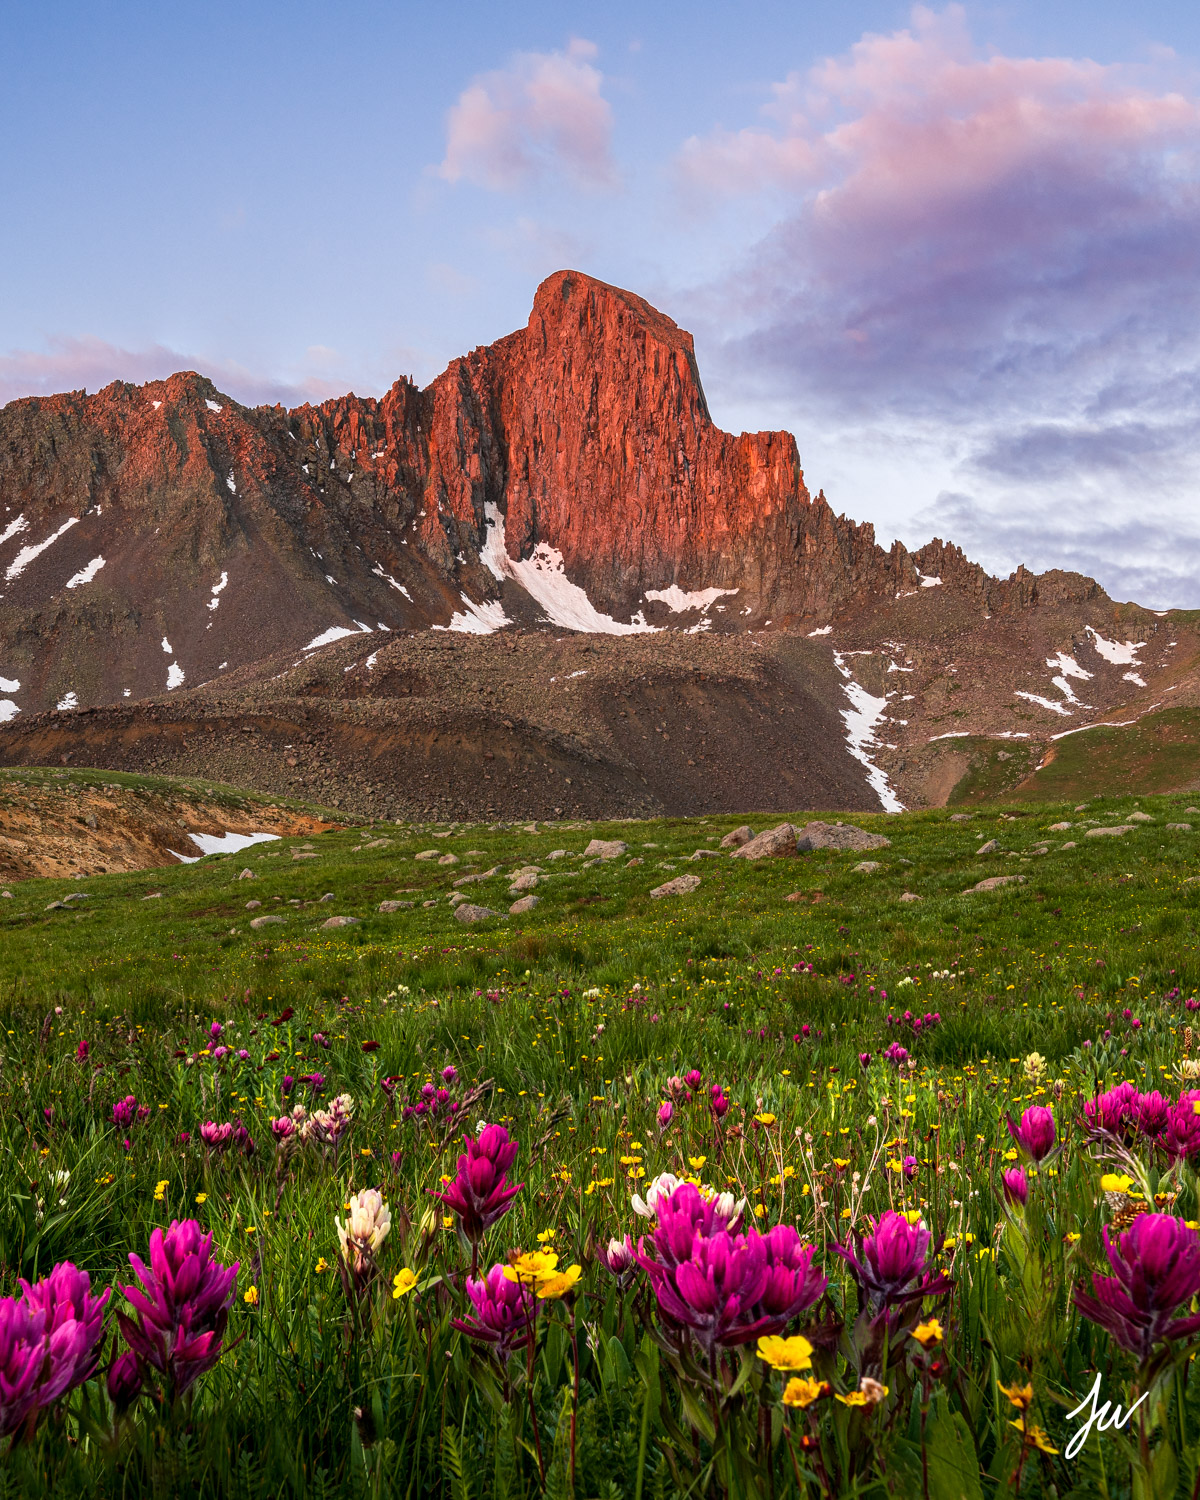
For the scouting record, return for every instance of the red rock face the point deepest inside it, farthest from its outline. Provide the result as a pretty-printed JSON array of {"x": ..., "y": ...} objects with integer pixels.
[{"x": 218, "y": 535}]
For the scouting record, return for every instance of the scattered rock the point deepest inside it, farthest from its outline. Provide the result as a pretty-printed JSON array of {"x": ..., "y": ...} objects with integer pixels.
[
  {"x": 1140, "y": 817},
  {"x": 522, "y": 883},
  {"x": 428, "y": 854},
  {"x": 377, "y": 844},
  {"x": 472, "y": 879},
  {"x": 468, "y": 913},
  {"x": 526, "y": 903},
  {"x": 75, "y": 896},
  {"x": 428, "y": 904},
  {"x": 247, "y": 875},
  {"x": 1071, "y": 845},
  {"x": 1180, "y": 827},
  {"x": 448, "y": 859},
  {"x": 153, "y": 896},
  {"x": 961, "y": 817},
  {"x": 989, "y": 848},
  {"x": 557, "y": 854},
  {"x": 705, "y": 854},
  {"x": 1058, "y": 827},
  {"x": 391, "y": 906},
  {"x": 636, "y": 860},
  {"x": 253, "y": 905},
  {"x": 911, "y": 896},
  {"x": 455, "y": 897},
  {"x": 773, "y": 842},
  {"x": 271, "y": 921},
  {"x": 57, "y": 906},
  {"x": 328, "y": 896},
  {"x": 605, "y": 849},
  {"x": 818, "y": 835},
  {"x": 304, "y": 854},
  {"x": 528, "y": 870},
  {"x": 680, "y": 886},
  {"x": 866, "y": 867},
  {"x": 994, "y": 882},
  {"x": 340, "y": 922},
  {"x": 1095, "y": 833},
  {"x": 738, "y": 837},
  {"x": 1192, "y": 809},
  {"x": 8, "y": 896},
  {"x": 797, "y": 896}
]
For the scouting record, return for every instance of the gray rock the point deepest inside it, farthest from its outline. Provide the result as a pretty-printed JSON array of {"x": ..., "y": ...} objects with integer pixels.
[
  {"x": 428, "y": 854},
  {"x": 680, "y": 886},
  {"x": 153, "y": 896},
  {"x": 271, "y": 921},
  {"x": 468, "y": 913},
  {"x": 866, "y": 867},
  {"x": 1059, "y": 827},
  {"x": 304, "y": 854},
  {"x": 428, "y": 904},
  {"x": 57, "y": 906},
  {"x": 75, "y": 896},
  {"x": 340, "y": 922},
  {"x": 738, "y": 837},
  {"x": 474, "y": 879},
  {"x": 961, "y": 817},
  {"x": 1096, "y": 833},
  {"x": 391, "y": 906},
  {"x": 910, "y": 896},
  {"x": 774, "y": 842},
  {"x": 247, "y": 875},
  {"x": 528, "y": 870},
  {"x": 526, "y": 903},
  {"x": 448, "y": 859},
  {"x": 705, "y": 854},
  {"x": 455, "y": 898},
  {"x": 378, "y": 844},
  {"x": 994, "y": 882},
  {"x": 1071, "y": 845},
  {"x": 1192, "y": 809},
  {"x": 557, "y": 854},
  {"x": 636, "y": 860},
  {"x": 1140, "y": 817},
  {"x": 1180, "y": 827},
  {"x": 8, "y": 896},
  {"x": 818, "y": 835},
  {"x": 605, "y": 849},
  {"x": 328, "y": 896},
  {"x": 522, "y": 883},
  {"x": 253, "y": 905},
  {"x": 989, "y": 848}
]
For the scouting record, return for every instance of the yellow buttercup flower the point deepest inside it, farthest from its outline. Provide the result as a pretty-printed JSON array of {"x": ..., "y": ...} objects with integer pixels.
[
  {"x": 786, "y": 1354},
  {"x": 559, "y": 1285},
  {"x": 534, "y": 1265},
  {"x": 928, "y": 1334},
  {"x": 1033, "y": 1434},
  {"x": 870, "y": 1393},
  {"x": 1115, "y": 1182},
  {"x": 765, "y": 1119},
  {"x": 697, "y": 1163},
  {"x": 544, "y": 1235},
  {"x": 1021, "y": 1396},
  {"x": 403, "y": 1283},
  {"x": 321, "y": 1266},
  {"x": 802, "y": 1391},
  {"x": 250, "y": 1296}
]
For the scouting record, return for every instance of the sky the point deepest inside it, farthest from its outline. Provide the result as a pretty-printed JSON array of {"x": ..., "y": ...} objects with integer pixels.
[{"x": 955, "y": 249}]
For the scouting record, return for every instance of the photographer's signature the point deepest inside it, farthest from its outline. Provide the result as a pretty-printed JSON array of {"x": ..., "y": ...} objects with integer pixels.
[{"x": 1102, "y": 1418}]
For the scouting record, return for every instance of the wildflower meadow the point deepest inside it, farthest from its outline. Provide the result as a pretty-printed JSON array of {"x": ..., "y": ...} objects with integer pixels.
[{"x": 716, "y": 1194}]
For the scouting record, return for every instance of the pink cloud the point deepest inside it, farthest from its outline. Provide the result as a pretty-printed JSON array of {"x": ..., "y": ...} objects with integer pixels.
[
  {"x": 543, "y": 114},
  {"x": 71, "y": 364}
]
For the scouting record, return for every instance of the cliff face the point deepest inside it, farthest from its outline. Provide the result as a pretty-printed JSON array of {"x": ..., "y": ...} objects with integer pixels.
[{"x": 155, "y": 537}]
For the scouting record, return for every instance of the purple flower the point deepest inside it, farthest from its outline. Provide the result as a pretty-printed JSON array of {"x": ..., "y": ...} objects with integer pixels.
[
  {"x": 215, "y": 1030},
  {"x": 216, "y": 1137},
  {"x": 1180, "y": 1137},
  {"x": 181, "y": 1307},
  {"x": 124, "y": 1381},
  {"x": 1156, "y": 1267},
  {"x": 665, "y": 1111},
  {"x": 1035, "y": 1134},
  {"x": 449, "y": 1074},
  {"x": 243, "y": 1055},
  {"x": 1152, "y": 1111},
  {"x": 124, "y": 1112},
  {"x": 693, "y": 1079},
  {"x": 910, "y": 1164},
  {"x": 891, "y": 1267},
  {"x": 481, "y": 1193},
  {"x": 49, "y": 1343},
  {"x": 1016, "y": 1186},
  {"x": 718, "y": 1102},
  {"x": 619, "y": 1258},
  {"x": 288, "y": 1084},
  {"x": 283, "y": 1127},
  {"x": 315, "y": 1081},
  {"x": 1112, "y": 1111},
  {"x": 504, "y": 1313},
  {"x": 864, "y": 1059}
]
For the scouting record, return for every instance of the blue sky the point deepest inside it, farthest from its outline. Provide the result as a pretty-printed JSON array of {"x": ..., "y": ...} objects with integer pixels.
[{"x": 954, "y": 249}]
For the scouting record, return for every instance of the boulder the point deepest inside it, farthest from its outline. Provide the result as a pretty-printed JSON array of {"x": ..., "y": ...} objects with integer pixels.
[
  {"x": 772, "y": 842},
  {"x": 519, "y": 908},
  {"x": 247, "y": 875},
  {"x": 448, "y": 859},
  {"x": 428, "y": 854},
  {"x": 818, "y": 835},
  {"x": 911, "y": 896},
  {"x": 253, "y": 905},
  {"x": 738, "y": 837},
  {"x": 391, "y": 906},
  {"x": 522, "y": 883},
  {"x": 994, "y": 882},
  {"x": 340, "y": 922},
  {"x": 989, "y": 848},
  {"x": 328, "y": 896},
  {"x": 468, "y": 913},
  {"x": 271, "y": 921},
  {"x": 866, "y": 867},
  {"x": 605, "y": 849},
  {"x": 557, "y": 854},
  {"x": 1096, "y": 833},
  {"x": 1140, "y": 817},
  {"x": 961, "y": 817},
  {"x": 1180, "y": 827},
  {"x": 680, "y": 886},
  {"x": 1058, "y": 827}
]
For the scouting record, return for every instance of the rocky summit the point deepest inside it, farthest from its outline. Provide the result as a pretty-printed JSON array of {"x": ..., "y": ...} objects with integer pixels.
[{"x": 546, "y": 584}]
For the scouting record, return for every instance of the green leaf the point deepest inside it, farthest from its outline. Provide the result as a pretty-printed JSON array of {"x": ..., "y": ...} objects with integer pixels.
[{"x": 953, "y": 1464}]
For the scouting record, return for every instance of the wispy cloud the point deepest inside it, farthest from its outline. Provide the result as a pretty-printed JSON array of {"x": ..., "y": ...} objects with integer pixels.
[
  {"x": 1006, "y": 246},
  {"x": 543, "y": 115}
]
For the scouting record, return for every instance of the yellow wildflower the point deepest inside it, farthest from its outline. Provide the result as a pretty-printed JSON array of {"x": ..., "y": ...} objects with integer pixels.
[
  {"x": 1034, "y": 1435},
  {"x": 250, "y": 1296},
  {"x": 534, "y": 1265},
  {"x": 560, "y": 1284},
  {"x": 1021, "y": 1396},
  {"x": 786, "y": 1354},
  {"x": 802, "y": 1391},
  {"x": 928, "y": 1334},
  {"x": 403, "y": 1283}
]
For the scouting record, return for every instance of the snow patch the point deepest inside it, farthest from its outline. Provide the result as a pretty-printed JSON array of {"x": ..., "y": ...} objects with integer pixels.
[
  {"x": 8, "y": 710},
  {"x": 824, "y": 630},
  {"x": 1120, "y": 653},
  {"x": 677, "y": 601},
  {"x": 214, "y": 602},
  {"x": 387, "y": 578},
  {"x": 85, "y": 575},
  {"x": 478, "y": 619},
  {"x": 69, "y": 701},
  {"x": 1068, "y": 667},
  {"x": 27, "y": 554},
  {"x": 860, "y": 719},
  {"x": 1132, "y": 677},
  {"x": 212, "y": 405},
  {"x": 174, "y": 676},
  {"x": 221, "y": 843},
  {"x": 370, "y": 662},
  {"x": 9, "y": 685},
  {"x": 929, "y": 581},
  {"x": 334, "y": 633},
  {"x": 14, "y": 528},
  {"x": 128, "y": 693},
  {"x": 543, "y": 578},
  {"x": 231, "y": 482},
  {"x": 167, "y": 647},
  {"x": 1057, "y": 708}
]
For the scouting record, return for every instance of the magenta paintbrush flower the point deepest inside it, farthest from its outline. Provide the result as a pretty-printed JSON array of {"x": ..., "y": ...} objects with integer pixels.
[
  {"x": 1156, "y": 1268},
  {"x": 891, "y": 1267},
  {"x": 49, "y": 1343},
  {"x": 504, "y": 1313},
  {"x": 1180, "y": 1136},
  {"x": 216, "y": 1137},
  {"x": 1016, "y": 1186},
  {"x": 1035, "y": 1134},
  {"x": 793, "y": 1282},
  {"x": 1152, "y": 1111},
  {"x": 1112, "y": 1111},
  {"x": 181, "y": 1307},
  {"x": 481, "y": 1193}
]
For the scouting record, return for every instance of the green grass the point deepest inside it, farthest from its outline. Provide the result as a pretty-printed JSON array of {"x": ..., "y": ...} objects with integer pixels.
[
  {"x": 567, "y": 1024},
  {"x": 1157, "y": 753}
]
